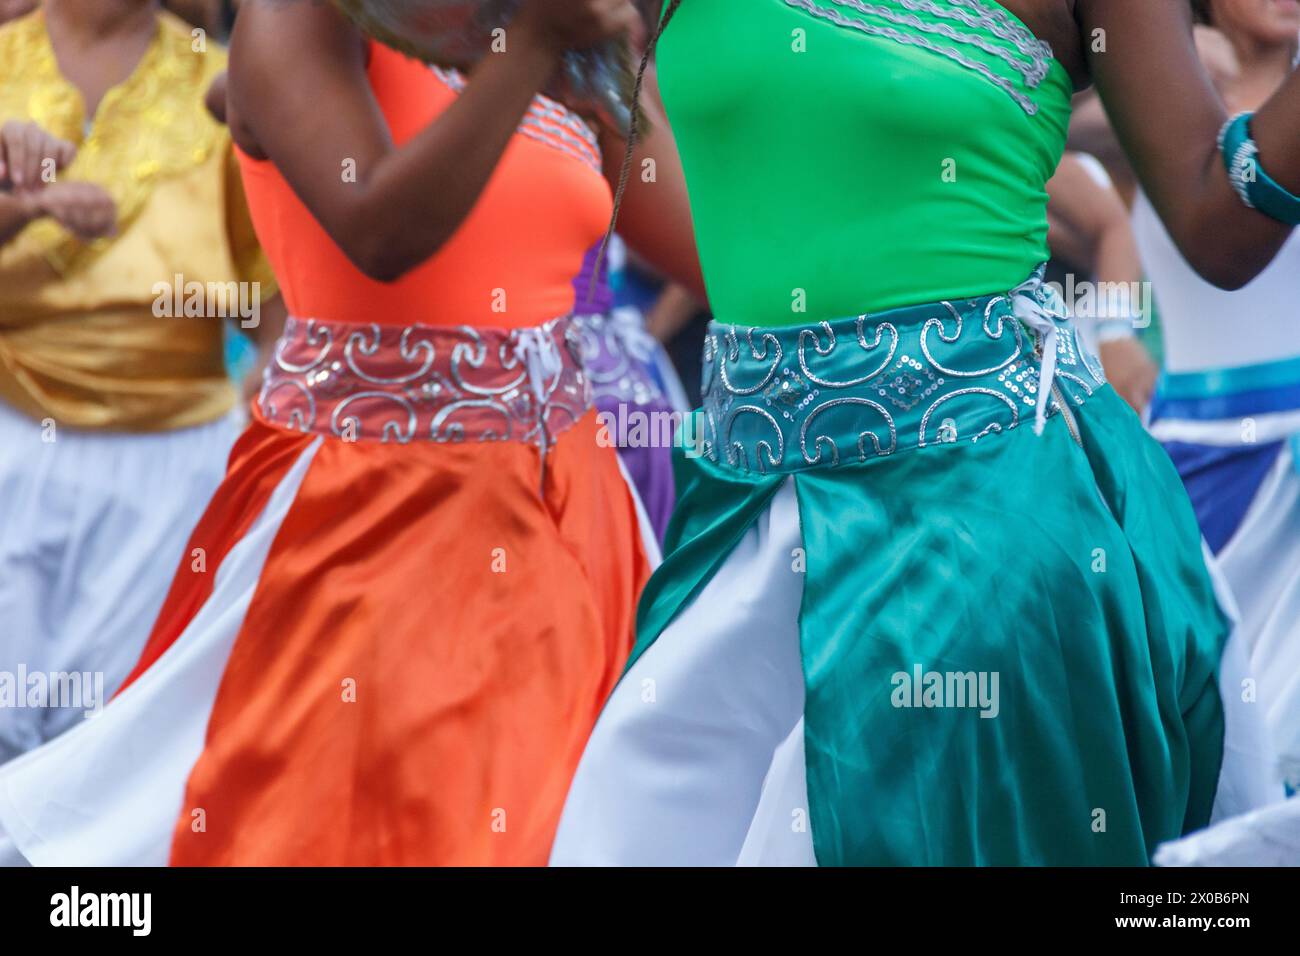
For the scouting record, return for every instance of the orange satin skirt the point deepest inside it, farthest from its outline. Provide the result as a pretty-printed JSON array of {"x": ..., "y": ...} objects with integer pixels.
[{"x": 431, "y": 638}]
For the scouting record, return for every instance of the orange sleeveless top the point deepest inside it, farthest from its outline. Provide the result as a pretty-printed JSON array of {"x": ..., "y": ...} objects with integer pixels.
[{"x": 511, "y": 264}]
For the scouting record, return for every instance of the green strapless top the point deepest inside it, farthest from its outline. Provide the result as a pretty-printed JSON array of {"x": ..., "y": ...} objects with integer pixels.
[{"x": 850, "y": 156}]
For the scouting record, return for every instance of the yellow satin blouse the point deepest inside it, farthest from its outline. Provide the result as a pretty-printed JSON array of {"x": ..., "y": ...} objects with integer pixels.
[{"x": 81, "y": 337}]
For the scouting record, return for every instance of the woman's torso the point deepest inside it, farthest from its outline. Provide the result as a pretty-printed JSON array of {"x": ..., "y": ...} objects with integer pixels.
[
  {"x": 511, "y": 263},
  {"x": 846, "y": 156}
]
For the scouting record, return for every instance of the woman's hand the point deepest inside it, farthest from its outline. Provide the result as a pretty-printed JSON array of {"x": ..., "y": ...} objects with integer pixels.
[
  {"x": 575, "y": 24},
  {"x": 1129, "y": 370},
  {"x": 84, "y": 209},
  {"x": 24, "y": 150}
]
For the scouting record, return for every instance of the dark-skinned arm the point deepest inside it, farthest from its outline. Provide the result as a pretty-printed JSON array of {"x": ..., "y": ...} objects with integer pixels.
[
  {"x": 1167, "y": 115},
  {"x": 405, "y": 203},
  {"x": 655, "y": 218}
]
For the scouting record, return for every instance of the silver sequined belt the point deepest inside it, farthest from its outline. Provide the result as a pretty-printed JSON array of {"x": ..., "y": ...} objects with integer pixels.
[
  {"x": 386, "y": 383},
  {"x": 856, "y": 389}
]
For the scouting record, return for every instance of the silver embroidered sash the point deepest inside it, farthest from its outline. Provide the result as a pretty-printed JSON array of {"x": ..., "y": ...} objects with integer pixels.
[
  {"x": 425, "y": 383},
  {"x": 618, "y": 354},
  {"x": 857, "y": 389}
]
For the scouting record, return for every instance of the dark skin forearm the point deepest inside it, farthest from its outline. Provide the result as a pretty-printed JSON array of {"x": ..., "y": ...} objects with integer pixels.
[
  {"x": 655, "y": 218},
  {"x": 1167, "y": 115},
  {"x": 404, "y": 203}
]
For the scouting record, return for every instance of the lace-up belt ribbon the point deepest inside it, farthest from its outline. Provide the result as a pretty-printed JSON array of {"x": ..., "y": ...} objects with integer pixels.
[
  {"x": 855, "y": 389},
  {"x": 370, "y": 382}
]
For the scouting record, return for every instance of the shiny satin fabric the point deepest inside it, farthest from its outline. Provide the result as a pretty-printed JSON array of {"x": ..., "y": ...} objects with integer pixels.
[
  {"x": 1072, "y": 571},
  {"x": 636, "y": 415},
  {"x": 427, "y": 649}
]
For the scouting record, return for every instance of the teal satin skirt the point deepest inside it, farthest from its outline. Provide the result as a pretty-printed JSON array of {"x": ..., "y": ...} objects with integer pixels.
[{"x": 1010, "y": 641}]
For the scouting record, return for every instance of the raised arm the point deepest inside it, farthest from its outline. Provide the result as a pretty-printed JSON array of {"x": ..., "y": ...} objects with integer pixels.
[
  {"x": 1168, "y": 116},
  {"x": 298, "y": 96}
]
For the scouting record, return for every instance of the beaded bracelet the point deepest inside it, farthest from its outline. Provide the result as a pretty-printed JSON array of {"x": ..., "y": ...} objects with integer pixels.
[{"x": 1255, "y": 187}]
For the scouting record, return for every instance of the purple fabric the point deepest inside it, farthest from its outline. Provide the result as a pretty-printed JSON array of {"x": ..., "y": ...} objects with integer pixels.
[
  {"x": 649, "y": 467},
  {"x": 584, "y": 301},
  {"x": 618, "y": 355}
]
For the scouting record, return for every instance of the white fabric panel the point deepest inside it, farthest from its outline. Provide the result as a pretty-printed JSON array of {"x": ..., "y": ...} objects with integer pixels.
[
  {"x": 1247, "y": 777},
  {"x": 1228, "y": 433},
  {"x": 649, "y": 540},
  {"x": 108, "y": 792},
  {"x": 92, "y": 527},
  {"x": 1206, "y": 327},
  {"x": 1267, "y": 837},
  {"x": 781, "y": 833},
  {"x": 1262, "y": 566},
  {"x": 675, "y": 768}
]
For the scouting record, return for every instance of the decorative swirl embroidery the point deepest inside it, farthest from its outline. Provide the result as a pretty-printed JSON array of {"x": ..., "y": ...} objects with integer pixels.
[
  {"x": 151, "y": 127},
  {"x": 387, "y": 429},
  {"x": 416, "y": 383},
  {"x": 765, "y": 457},
  {"x": 989, "y": 310},
  {"x": 357, "y": 342},
  {"x": 862, "y": 437},
  {"x": 733, "y": 355},
  {"x": 954, "y": 432},
  {"x": 314, "y": 334},
  {"x": 822, "y": 389},
  {"x": 616, "y": 351},
  {"x": 830, "y": 347}
]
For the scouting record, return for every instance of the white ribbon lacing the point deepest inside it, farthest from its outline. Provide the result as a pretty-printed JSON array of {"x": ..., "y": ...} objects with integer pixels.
[
  {"x": 1032, "y": 312},
  {"x": 535, "y": 348}
]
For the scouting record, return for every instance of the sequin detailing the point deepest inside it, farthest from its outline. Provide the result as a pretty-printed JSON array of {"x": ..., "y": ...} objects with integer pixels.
[
  {"x": 617, "y": 353},
  {"x": 548, "y": 122},
  {"x": 856, "y": 389},
  {"x": 419, "y": 382},
  {"x": 955, "y": 30}
]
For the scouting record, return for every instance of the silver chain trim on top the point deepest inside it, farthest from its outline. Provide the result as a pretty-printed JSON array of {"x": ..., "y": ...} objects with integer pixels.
[
  {"x": 972, "y": 13},
  {"x": 547, "y": 121},
  {"x": 1034, "y": 71}
]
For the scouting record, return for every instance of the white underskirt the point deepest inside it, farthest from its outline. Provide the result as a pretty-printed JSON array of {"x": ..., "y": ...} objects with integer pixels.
[
  {"x": 698, "y": 758},
  {"x": 92, "y": 528},
  {"x": 1261, "y": 563},
  {"x": 109, "y": 792},
  {"x": 680, "y": 768}
]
